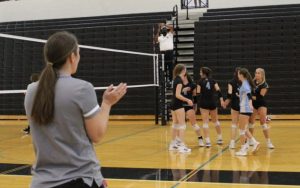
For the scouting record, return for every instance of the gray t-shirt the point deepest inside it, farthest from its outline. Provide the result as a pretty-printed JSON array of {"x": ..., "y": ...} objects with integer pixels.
[{"x": 63, "y": 150}]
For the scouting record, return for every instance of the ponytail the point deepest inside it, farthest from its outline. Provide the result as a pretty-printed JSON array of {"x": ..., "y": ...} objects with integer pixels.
[
  {"x": 56, "y": 51},
  {"x": 43, "y": 105}
]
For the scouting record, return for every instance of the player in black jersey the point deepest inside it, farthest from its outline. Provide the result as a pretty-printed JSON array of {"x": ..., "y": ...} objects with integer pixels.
[
  {"x": 206, "y": 89},
  {"x": 178, "y": 113},
  {"x": 260, "y": 105},
  {"x": 189, "y": 91},
  {"x": 233, "y": 98}
]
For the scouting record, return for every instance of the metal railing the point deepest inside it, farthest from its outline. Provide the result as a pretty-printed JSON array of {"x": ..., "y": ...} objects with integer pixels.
[
  {"x": 185, "y": 4},
  {"x": 197, "y": 4}
]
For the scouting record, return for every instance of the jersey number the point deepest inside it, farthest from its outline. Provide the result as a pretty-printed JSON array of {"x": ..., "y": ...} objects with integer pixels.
[{"x": 207, "y": 86}]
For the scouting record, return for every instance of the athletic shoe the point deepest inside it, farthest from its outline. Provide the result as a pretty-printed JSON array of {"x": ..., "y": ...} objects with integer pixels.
[
  {"x": 247, "y": 146},
  {"x": 201, "y": 143},
  {"x": 184, "y": 149},
  {"x": 242, "y": 152},
  {"x": 173, "y": 146},
  {"x": 250, "y": 142},
  {"x": 270, "y": 145},
  {"x": 27, "y": 130},
  {"x": 219, "y": 141},
  {"x": 232, "y": 144},
  {"x": 208, "y": 144},
  {"x": 256, "y": 146},
  {"x": 178, "y": 141}
]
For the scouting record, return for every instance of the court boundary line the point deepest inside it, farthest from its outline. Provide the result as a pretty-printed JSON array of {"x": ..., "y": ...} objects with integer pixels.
[
  {"x": 15, "y": 169},
  {"x": 193, "y": 172},
  {"x": 153, "y": 181},
  {"x": 214, "y": 183},
  {"x": 95, "y": 145}
]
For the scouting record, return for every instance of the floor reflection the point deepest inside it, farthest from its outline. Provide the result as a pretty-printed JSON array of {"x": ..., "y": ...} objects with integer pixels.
[
  {"x": 255, "y": 170},
  {"x": 245, "y": 170}
]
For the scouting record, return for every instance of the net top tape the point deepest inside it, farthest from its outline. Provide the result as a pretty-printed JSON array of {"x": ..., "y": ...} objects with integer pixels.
[{"x": 2, "y": 35}]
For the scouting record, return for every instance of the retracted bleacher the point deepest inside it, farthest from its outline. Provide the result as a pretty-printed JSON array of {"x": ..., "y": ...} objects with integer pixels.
[{"x": 252, "y": 37}]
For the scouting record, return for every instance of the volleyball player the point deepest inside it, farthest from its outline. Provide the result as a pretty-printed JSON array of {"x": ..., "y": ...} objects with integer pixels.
[
  {"x": 177, "y": 109},
  {"x": 246, "y": 110},
  {"x": 189, "y": 91},
  {"x": 233, "y": 98},
  {"x": 260, "y": 105},
  {"x": 65, "y": 119},
  {"x": 206, "y": 89}
]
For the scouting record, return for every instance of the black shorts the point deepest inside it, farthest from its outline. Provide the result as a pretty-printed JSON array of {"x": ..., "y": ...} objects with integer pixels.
[
  {"x": 246, "y": 114},
  {"x": 187, "y": 108},
  {"x": 208, "y": 106},
  {"x": 235, "y": 106},
  {"x": 176, "y": 106},
  {"x": 258, "y": 104}
]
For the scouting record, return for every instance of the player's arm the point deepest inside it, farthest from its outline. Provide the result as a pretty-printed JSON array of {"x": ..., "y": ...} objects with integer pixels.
[
  {"x": 263, "y": 91},
  {"x": 96, "y": 125},
  {"x": 229, "y": 94},
  {"x": 181, "y": 97},
  {"x": 220, "y": 96}
]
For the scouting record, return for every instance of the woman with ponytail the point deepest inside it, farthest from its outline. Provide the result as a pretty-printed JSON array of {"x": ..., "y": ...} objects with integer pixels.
[
  {"x": 246, "y": 110},
  {"x": 178, "y": 113},
  {"x": 206, "y": 90},
  {"x": 233, "y": 98},
  {"x": 65, "y": 119}
]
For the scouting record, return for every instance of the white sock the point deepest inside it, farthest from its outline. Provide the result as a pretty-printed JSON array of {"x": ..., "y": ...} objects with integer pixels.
[
  {"x": 207, "y": 140},
  {"x": 253, "y": 139},
  {"x": 269, "y": 140},
  {"x": 219, "y": 137}
]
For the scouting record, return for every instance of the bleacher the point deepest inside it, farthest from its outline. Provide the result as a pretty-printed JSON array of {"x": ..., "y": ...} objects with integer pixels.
[
  {"x": 18, "y": 59},
  {"x": 252, "y": 37}
]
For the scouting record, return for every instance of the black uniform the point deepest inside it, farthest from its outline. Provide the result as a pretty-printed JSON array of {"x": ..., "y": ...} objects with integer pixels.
[
  {"x": 235, "y": 100},
  {"x": 207, "y": 98},
  {"x": 260, "y": 100},
  {"x": 176, "y": 103},
  {"x": 188, "y": 95}
]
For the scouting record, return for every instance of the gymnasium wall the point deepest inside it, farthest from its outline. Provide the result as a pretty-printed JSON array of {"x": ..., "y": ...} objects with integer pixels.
[
  {"x": 266, "y": 37},
  {"x": 46, "y": 9}
]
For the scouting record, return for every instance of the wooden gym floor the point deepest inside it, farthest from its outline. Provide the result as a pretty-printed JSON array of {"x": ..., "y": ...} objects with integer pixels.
[{"x": 134, "y": 154}]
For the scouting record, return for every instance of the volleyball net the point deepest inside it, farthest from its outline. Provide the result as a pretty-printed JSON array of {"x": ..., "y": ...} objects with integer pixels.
[{"x": 21, "y": 56}]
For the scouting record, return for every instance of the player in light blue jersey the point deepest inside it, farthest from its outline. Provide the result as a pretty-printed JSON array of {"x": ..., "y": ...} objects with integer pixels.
[{"x": 246, "y": 110}]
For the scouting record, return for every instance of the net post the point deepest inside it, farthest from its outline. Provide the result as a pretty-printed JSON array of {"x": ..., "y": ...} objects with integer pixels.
[
  {"x": 163, "y": 91},
  {"x": 156, "y": 72}
]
